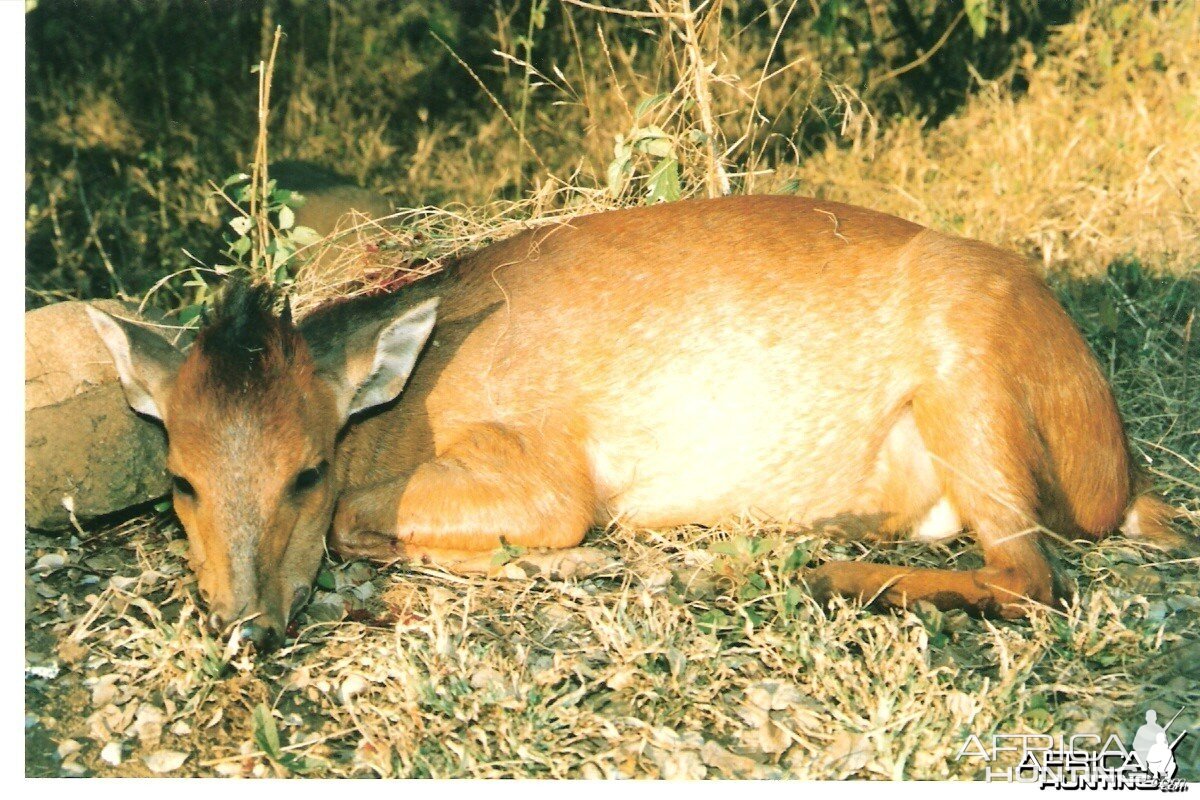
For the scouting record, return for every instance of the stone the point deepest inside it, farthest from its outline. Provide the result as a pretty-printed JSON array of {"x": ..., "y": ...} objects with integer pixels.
[
  {"x": 82, "y": 441},
  {"x": 328, "y": 196}
]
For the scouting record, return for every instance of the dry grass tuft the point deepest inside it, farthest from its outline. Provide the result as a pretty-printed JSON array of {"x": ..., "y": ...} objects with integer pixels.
[
  {"x": 1097, "y": 161},
  {"x": 701, "y": 655}
]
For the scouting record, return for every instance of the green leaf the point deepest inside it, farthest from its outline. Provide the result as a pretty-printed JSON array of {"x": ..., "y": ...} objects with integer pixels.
[
  {"x": 648, "y": 103},
  {"x": 282, "y": 249},
  {"x": 750, "y": 592},
  {"x": 326, "y": 579},
  {"x": 266, "y": 735},
  {"x": 241, "y": 246},
  {"x": 797, "y": 559},
  {"x": 729, "y": 548},
  {"x": 652, "y": 140},
  {"x": 663, "y": 182},
  {"x": 303, "y": 236},
  {"x": 760, "y": 545},
  {"x": 617, "y": 171},
  {"x": 792, "y": 599},
  {"x": 506, "y": 553},
  {"x": 977, "y": 16},
  {"x": 713, "y": 621},
  {"x": 189, "y": 313},
  {"x": 659, "y": 148}
]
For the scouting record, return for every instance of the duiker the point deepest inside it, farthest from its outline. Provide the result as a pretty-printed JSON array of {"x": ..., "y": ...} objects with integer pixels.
[{"x": 788, "y": 359}]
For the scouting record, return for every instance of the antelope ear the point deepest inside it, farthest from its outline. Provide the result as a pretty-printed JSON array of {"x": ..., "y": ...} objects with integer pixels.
[
  {"x": 146, "y": 363},
  {"x": 373, "y": 362}
]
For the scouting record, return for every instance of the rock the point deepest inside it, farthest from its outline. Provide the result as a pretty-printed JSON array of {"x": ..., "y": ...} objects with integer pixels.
[
  {"x": 104, "y": 691},
  {"x": 328, "y": 196},
  {"x": 163, "y": 761},
  {"x": 82, "y": 441},
  {"x": 333, "y": 206},
  {"x": 148, "y": 725},
  {"x": 68, "y": 748},
  {"x": 353, "y": 686},
  {"x": 111, "y": 754}
]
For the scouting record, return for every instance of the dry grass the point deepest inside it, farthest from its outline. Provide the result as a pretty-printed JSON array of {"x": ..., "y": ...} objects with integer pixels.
[
  {"x": 700, "y": 654},
  {"x": 1096, "y": 162}
]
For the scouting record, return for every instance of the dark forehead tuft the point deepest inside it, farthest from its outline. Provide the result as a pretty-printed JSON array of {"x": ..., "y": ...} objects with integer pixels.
[{"x": 246, "y": 342}]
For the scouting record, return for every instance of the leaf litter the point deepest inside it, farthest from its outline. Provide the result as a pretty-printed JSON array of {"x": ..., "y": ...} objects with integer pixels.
[{"x": 694, "y": 653}]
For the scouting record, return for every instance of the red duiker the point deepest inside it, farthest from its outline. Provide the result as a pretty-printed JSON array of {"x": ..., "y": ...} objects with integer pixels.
[{"x": 783, "y": 358}]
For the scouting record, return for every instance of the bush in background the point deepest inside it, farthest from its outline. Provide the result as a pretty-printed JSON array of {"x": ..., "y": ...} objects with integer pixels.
[{"x": 133, "y": 107}]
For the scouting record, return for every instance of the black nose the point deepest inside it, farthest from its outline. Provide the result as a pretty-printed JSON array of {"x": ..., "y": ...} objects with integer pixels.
[{"x": 264, "y": 637}]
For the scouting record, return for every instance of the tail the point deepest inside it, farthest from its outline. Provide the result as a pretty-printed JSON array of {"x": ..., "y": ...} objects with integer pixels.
[
  {"x": 1096, "y": 487},
  {"x": 1149, "y": 519}
]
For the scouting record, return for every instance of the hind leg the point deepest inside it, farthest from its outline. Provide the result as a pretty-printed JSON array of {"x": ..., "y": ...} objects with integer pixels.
[
  {"x": 495, "y": 485},
  {"x": 985, "y": 457}
]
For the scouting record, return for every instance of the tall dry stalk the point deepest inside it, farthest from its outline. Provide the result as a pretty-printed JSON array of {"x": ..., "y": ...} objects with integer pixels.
[
  {"x": 703, "y": 112},
  {"x": 259, "y": 169},
  {"x": 700, "y": 70}
]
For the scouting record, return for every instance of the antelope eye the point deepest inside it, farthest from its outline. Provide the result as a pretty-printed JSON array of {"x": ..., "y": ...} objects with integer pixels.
[
  {"x": 309, "y": 478},
  {"x": 183, "y": 486}
]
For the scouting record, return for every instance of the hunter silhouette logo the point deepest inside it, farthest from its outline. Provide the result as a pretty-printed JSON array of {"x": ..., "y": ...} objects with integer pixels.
[
  {"x": 1083, "y": 760},
  {"x": 1154, "y": 752}
]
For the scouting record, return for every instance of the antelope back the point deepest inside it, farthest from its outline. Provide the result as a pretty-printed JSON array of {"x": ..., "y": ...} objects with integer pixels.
[{"x": 748, "y": 355}]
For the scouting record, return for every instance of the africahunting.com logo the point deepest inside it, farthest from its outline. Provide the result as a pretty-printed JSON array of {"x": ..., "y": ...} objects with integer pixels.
[{"x": 1083, "y": 760}]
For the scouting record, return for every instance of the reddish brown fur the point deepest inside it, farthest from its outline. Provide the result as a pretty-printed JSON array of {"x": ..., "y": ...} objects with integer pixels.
[
  {"x": 776, "y": 357},
  {"x": 239, "y": 433},
  {"x": 1025, "y": 429}
]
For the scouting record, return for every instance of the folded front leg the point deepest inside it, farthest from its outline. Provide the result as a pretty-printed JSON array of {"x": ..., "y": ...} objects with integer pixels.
[{"x": 495, "y": 485}]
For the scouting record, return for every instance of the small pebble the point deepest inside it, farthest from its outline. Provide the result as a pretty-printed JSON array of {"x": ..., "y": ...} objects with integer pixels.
[
  {"x": 351, "y": 686},
  {"x": 68, "y": 748},
  {"x": 111, "y": 754}
]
